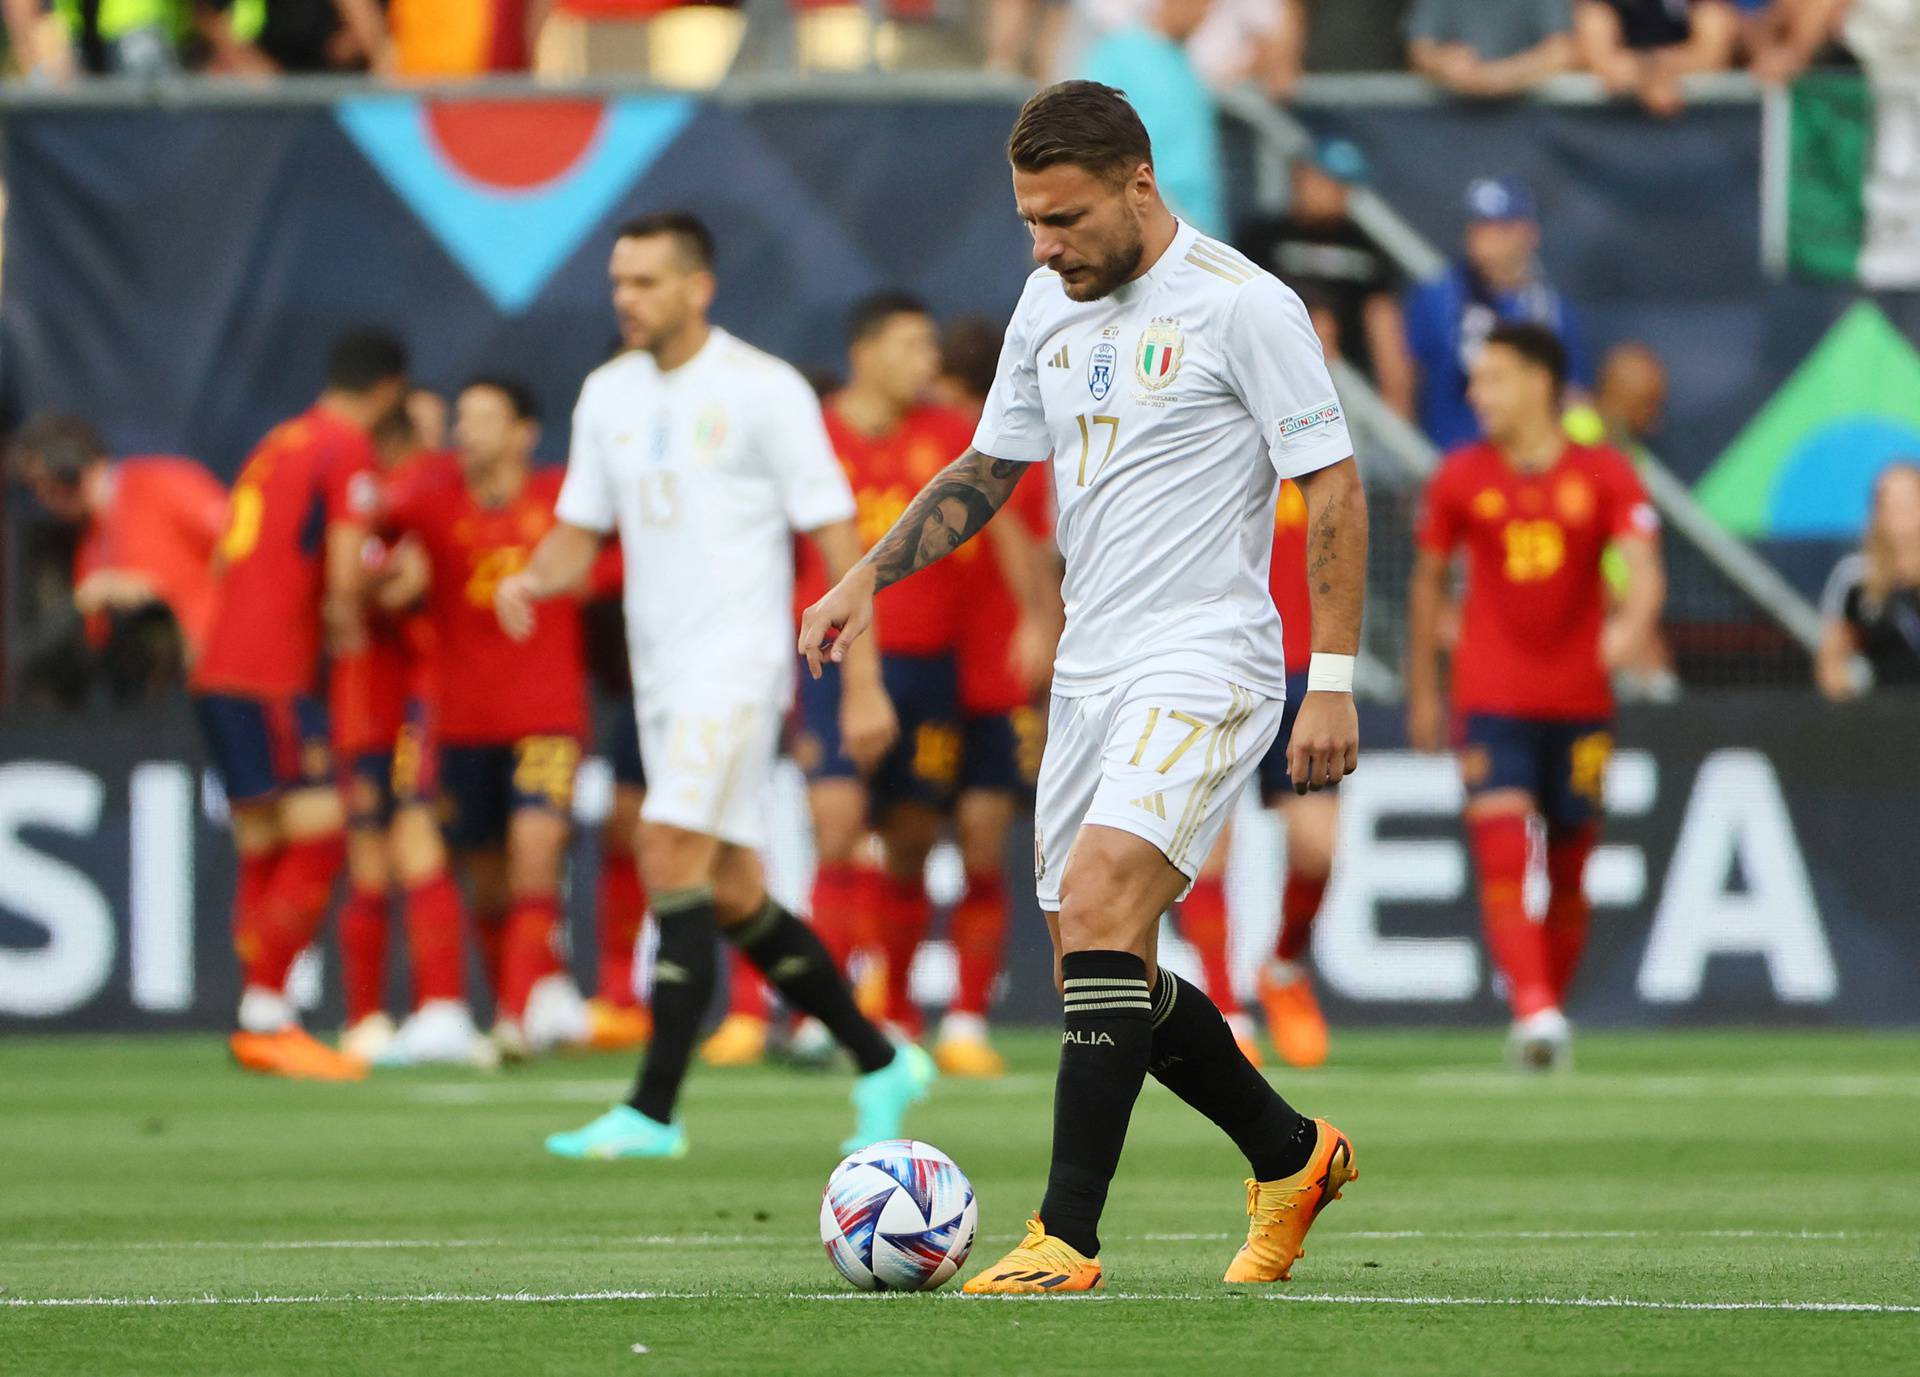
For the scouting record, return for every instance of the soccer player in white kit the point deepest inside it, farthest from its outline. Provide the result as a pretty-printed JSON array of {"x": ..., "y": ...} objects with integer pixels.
[
  {"x": 1172, "y": 384},
  {"x": 707, "y": 455}
]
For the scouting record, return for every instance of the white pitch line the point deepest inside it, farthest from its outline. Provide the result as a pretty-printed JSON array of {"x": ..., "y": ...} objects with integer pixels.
[
  {"x": 783, "y": 1240},
  {"x": 427, "y": 1244},
  {"x": 1545, "y": 1234},
  {"x": 1301, "y": 1298},
  {"x": 421, "y": 1298}
]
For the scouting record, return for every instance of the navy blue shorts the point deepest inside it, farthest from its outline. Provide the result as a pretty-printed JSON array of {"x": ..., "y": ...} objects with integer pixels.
[
  {"x": 924, "y": 764},
  {"x": 484, "y": 786},
  {"x": 1563, "y": 765},
  {"x": 261, "y": 747},
  {"x": 377, "y": 784},
  {"x": 622, "y": 747},
  {"x": 1001, "y": 751},
  {"x": 1276, "y": 783}
]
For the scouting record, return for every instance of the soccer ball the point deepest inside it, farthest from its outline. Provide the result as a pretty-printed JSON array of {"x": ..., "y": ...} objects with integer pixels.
[{"x": 898, "y": 1216}]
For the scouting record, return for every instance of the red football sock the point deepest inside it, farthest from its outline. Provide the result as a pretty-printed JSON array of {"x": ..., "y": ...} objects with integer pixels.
[
  {"x": 1299, "y": 906},
  {"x": 363, "y": 952},
  {"x": 1203, "y": 922},
  {"x": 905, "y": 915},
  {"x": 837, "y": 899},
  {"x": 526, "y": 951},
  {"x": 978, "y": 930},
  {"x": 623, "y": 906},
  {"x": 1568, "y": 913},
  {"x": 251, "y": 885},
  {"x": 434, "y": 924},
  {"x": 295, "y": 903},
  {"x": 746, "y": 991},
  {"x": 490, "y": 936},
  {"x": 1517, "y": 944}
]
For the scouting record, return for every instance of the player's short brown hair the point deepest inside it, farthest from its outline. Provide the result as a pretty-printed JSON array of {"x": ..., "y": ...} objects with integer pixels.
[
  {"x": 688, "y": 231},
  {"x": 1080, "y": 123},
  {"x": 1536, "y": 344}
]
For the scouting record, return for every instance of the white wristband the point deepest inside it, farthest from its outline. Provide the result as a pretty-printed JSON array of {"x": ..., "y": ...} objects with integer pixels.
[{"x": 1330, "y": 673}]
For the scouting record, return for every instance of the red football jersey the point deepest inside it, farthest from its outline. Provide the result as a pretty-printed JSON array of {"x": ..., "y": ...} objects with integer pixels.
[
  {"x": 367, "y": 692},
  {"x": 308, "y": 473},
  {"x": 989, "y": 611},
  {"x": 919, "y": 615},
  {"x": 1287, "y": 580},
  {"x": 492, "y": 689},
  {"x": 1536, "y": 599}
]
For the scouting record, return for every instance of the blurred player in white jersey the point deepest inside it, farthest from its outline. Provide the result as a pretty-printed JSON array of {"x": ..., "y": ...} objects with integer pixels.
[
  {"x": 706, "y": 455},
  {"x": 1172, "y": 384}
]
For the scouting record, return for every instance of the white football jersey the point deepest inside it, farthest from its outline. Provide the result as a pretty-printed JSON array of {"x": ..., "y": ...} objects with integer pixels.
[
  {"x": 1171, "y": 409},
  {"x": 706, "y": 471}
]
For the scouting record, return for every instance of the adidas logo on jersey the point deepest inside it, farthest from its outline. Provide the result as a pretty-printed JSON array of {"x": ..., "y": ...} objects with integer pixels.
[
  {"x": 1059, "y": 360},
  {"x": 1154, "y": 804}
]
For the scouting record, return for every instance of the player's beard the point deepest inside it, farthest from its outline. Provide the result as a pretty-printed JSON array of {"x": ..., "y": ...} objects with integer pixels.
[{"x": 1109, "y": 272}]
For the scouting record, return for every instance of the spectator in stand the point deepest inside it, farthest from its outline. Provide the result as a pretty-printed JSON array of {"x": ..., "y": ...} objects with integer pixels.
[
  {"x": 146, "y": 529},
  {"x": 1488, "y": 49},
  {"x": 1150, "y": 62},
  {"x": 1628, "y": 405},
  {"x": 1235, "y": 42},
  {"x": 1644, "y": 48},
  {"x": 1872, "y": 601},
  {"x": 1499, "y": 280},
  {"x": 130, "y": 38},
  {"x": 266, "y": 37},
  {"x": 1350, "y": 286}
]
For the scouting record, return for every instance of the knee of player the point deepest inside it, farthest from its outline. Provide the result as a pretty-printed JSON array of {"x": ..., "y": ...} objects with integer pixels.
[
  {"x": 311, "y": 814},
  {"x": 366, "y": 859},
  {"x": 674, "y": 858}
]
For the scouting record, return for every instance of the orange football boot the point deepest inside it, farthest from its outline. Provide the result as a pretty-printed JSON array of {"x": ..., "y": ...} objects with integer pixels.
[
  {"x": 1294, "y": 1022},
  {"x": 296, "y": 1054},
  {"x": 1280, "y": 1212},
  {"x": 1041, "y": 1266},
  {"x": 617, "y": 1027}
]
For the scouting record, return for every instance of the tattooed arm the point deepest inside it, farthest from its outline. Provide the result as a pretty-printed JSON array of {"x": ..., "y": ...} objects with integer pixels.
[
  {"x": 1326, "y": 736},
  {"x": 949, "y": 511}
]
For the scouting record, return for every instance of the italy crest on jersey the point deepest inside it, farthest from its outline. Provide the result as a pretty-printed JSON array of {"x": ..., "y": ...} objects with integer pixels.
[
  {"x": 1100, "y": 370},
  {"x": 1161, "y": 347}
]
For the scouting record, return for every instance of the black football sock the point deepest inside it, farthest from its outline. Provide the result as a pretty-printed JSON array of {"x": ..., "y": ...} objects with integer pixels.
[
  {"x": 684, "y": 970},
  {"x": 789, "y": 954},
  {"x": 1194, "y": 1055},
  {"x": 1103, "y": 1062}
]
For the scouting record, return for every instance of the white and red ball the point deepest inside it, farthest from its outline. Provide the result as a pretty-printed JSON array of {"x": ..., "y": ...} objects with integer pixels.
[{"x": 898, "y": 1216}]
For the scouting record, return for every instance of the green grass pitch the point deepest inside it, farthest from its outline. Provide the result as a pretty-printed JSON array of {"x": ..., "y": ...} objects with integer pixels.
[{"x": 1736, "y": 1202}]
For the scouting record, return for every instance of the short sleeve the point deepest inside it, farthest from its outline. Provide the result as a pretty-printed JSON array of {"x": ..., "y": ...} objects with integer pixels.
[
  {"x": 793, "y": 443},
  {"x": 1013, "y": 425},
  {"x": 1574, "y": 337},
  {"x": 1836, "y": 599},
  {"x": 1275, "y": 366},
  {"x": 351, "y": 481},
  {"x": 587, "y": 494},
  {"x": 1633, "y": 512},
  {"x": 1427, "y": 22},
  {"x": 1439, "y": 529}
]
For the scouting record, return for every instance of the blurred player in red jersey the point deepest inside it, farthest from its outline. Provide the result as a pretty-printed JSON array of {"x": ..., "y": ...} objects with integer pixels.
[
  {"x": 291, "y": 577},
  {"x": 382, "y": 711},
  {"x": 890, "y": 442},
  {"x": 1294, "y": 1020},
  {"x": 511, "y": 716},
  {"x": 148, "y": 528},
  {"x": 1532, "y": 703},
  {"x": 1010, "y": 620}
]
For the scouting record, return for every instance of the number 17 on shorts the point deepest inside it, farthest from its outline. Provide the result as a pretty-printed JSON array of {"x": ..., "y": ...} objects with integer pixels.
[{"x": 1163, "y": 757}]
